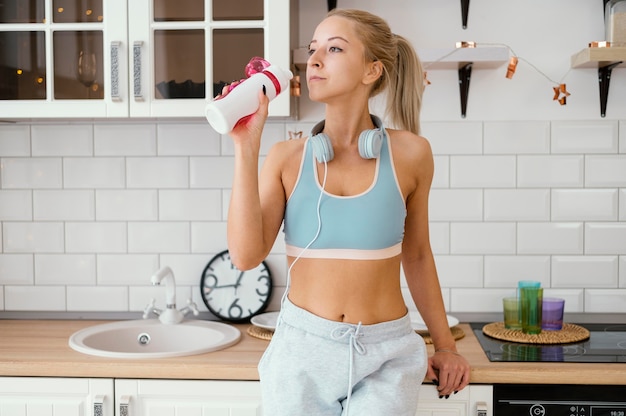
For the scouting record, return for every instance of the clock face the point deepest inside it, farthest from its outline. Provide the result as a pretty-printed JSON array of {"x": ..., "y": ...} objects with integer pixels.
[{"x": 232, "y": 294}]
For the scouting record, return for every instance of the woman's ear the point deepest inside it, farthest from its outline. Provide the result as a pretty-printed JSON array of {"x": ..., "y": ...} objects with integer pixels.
[{"x": 373, "y": 72}]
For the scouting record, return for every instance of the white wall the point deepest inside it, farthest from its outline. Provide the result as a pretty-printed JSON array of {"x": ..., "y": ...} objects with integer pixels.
[{"x": 523, "y": 188}]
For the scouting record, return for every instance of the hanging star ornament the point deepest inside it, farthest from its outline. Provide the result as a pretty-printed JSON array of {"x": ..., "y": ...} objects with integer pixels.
[{"x": 561, "y": 94}]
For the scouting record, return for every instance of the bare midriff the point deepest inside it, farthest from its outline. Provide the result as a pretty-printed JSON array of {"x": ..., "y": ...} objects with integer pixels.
[{"x": 352, "y": 291}]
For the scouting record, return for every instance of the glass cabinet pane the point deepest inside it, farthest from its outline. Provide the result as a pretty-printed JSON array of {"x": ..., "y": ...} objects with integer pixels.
[
  {"x": 237, "y": 9},
  {"x": 179, "y": 10},
  {"x": 77, "y": 11},
  {"x": 239, "y": 45},
  {"x": 78, "y": 66},
  {"x": 22, "y": 66},
  {"x": 22, "y": 11},
  {"x": 179, "y": 63}
]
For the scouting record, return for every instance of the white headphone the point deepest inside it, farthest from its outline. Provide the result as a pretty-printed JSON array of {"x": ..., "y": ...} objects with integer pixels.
[{"x": 370, "y": 142}]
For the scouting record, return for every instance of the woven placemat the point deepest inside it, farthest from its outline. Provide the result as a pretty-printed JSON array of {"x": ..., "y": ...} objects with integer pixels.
[
  {"x": 570, "y": 333},
  {"x": 266, "y": 334},
  {"x": 258, "y": 332}
]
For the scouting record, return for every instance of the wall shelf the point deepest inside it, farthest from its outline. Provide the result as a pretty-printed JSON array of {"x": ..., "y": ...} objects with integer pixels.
[
  {"x": 605, "y": 59},
  {"x": 464, "y": 60}
]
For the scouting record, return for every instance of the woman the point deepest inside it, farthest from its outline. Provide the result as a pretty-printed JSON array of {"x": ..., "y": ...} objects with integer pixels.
[{"x": 352, "y": 217}]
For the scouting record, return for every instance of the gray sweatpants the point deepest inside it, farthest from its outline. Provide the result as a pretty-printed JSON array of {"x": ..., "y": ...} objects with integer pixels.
[{"x": 314, "y": 366}]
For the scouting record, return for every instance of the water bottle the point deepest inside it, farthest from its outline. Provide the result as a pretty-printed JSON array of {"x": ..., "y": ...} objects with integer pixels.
[{"x": 243, "y": 100}]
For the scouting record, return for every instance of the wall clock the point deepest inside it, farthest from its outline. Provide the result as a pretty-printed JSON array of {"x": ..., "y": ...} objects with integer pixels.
[{"x": 235, "y": 295}]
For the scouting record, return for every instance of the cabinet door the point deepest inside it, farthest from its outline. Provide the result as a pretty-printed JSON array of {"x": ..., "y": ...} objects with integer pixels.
[
  {"x": 182, "y": 53},
  {"x": 40, "y": 396},
  {"x": 56, "y": 58},
  {"x": 187, "y": 398},
  {"x": 471, "y": 401}
]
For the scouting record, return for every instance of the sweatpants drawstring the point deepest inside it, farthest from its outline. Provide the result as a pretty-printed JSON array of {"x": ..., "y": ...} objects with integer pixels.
[{"x": 354, "y": 345}]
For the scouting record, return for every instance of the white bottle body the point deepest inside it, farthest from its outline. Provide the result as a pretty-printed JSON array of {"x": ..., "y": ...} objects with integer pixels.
[{"x": 223, "y": 114}]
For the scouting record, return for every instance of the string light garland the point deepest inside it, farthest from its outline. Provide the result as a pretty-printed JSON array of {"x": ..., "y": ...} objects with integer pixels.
[{"x": 560, "y": 88}]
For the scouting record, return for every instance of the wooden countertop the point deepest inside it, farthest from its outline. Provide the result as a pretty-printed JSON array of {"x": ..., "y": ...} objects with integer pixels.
[{"x": 40, "y": 348}]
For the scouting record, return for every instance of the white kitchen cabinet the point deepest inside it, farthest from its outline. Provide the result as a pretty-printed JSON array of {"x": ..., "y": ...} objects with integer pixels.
[
  {"x": 187, "y": 398},
  {"x": 474, "y": 400},
  {"x": 43, "y": 396},
  {"x": 134, "y": 58}
]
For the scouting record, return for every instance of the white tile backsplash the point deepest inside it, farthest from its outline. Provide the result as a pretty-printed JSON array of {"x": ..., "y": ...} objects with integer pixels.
[
  {"x": 482, "y": 238},
  {"x": 35, "y": 298},
  {"x": 16, "y": 269},
  {"x": 65, "y": 269},
  {"x": 15, "y": 140},
  {"x": 584, "y": 137},
  {"x": 127, "y": 205},
  {"x": 62, "y": 140},
  {"x": 90, "y": 210},
  {"x": 550, "y": 238},
  {"x": 605, "y": 238},
  {"x": 27, "y": 173},
  {"x": 454, "y": 138},
  {"x": 550, "y": 171},
  {"x": 192, "y": 139},
  {"x": 212, "y": 172},
  {"x": 125, "y": 139},
  {"x": 16, "y": 205},
  {"x": 506, "y": 271},
  {"x": 456, "y": 205},
  {"x": 482, "y": 171},
  {"x": 518, "y": 137},
  {"x": 95, "y": 237},
  {"x": 159, "y": 237},
  {"x": 605, "y": 171},
  {"x": 33, "y": 237},
  {"x": 190, "y": 205},
  {"x": 64, "y": 205},
  {"x": 157, "y": 172},
  {"x": 584, "y": 205},
  {"x": 584, "y": 271},
  {"x": 126, "y": 269},
  {"x": 94, "y": 172},
  {"x": 517, "y": 205}
]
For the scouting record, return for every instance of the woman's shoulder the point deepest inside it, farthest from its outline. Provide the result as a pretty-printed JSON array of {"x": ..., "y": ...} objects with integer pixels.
[{"x": 406, "y": 144}]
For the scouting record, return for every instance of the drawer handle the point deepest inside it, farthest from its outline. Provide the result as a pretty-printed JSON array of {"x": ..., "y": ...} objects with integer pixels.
[
  {"x": 137, "y": 70},
  {"x": 98, "y": 404},
  {"x": 124, "y": 403},
  {"x": 481, "y": 409},
  {"x": 115, "y": 70}
]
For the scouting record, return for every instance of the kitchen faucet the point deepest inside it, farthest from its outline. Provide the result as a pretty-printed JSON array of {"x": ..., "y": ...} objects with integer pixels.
[{"x": 170, "y": 315}]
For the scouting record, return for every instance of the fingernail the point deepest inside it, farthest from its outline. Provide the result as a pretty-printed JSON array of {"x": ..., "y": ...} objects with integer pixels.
[
  {"x": 447, "y": 396},
  {"x": 441, "y": 397},
  {"x": 264, "y": 90},
  {"x": 456, "y": 392}
]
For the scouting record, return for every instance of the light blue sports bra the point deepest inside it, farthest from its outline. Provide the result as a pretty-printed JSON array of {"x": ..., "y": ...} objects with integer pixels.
[{"x": 368, "y": 226}]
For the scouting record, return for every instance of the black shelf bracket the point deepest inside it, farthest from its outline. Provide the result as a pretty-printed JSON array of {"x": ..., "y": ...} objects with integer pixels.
[
  {"x": 465, "y": 75},
  {"x": 604, "y": 81},
  {"x": 465, "y": 11}
]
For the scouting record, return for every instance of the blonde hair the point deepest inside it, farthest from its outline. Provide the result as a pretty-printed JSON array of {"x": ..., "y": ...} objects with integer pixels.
[{"x": 403, "y": 76}]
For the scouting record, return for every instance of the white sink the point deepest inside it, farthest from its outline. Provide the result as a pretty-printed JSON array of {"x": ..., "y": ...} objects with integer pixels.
[{"x": 149, "y": 338}]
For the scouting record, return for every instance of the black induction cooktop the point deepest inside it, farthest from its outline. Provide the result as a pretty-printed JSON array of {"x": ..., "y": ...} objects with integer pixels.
[{"x": 606, "y": 344}]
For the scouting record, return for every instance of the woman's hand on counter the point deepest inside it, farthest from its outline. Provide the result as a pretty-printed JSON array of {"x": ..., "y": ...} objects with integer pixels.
[{"x": 449, "y": 371}]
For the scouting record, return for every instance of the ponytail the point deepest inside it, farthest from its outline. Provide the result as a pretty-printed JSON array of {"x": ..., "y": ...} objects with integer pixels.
[{"x": 404, "y": 100}]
